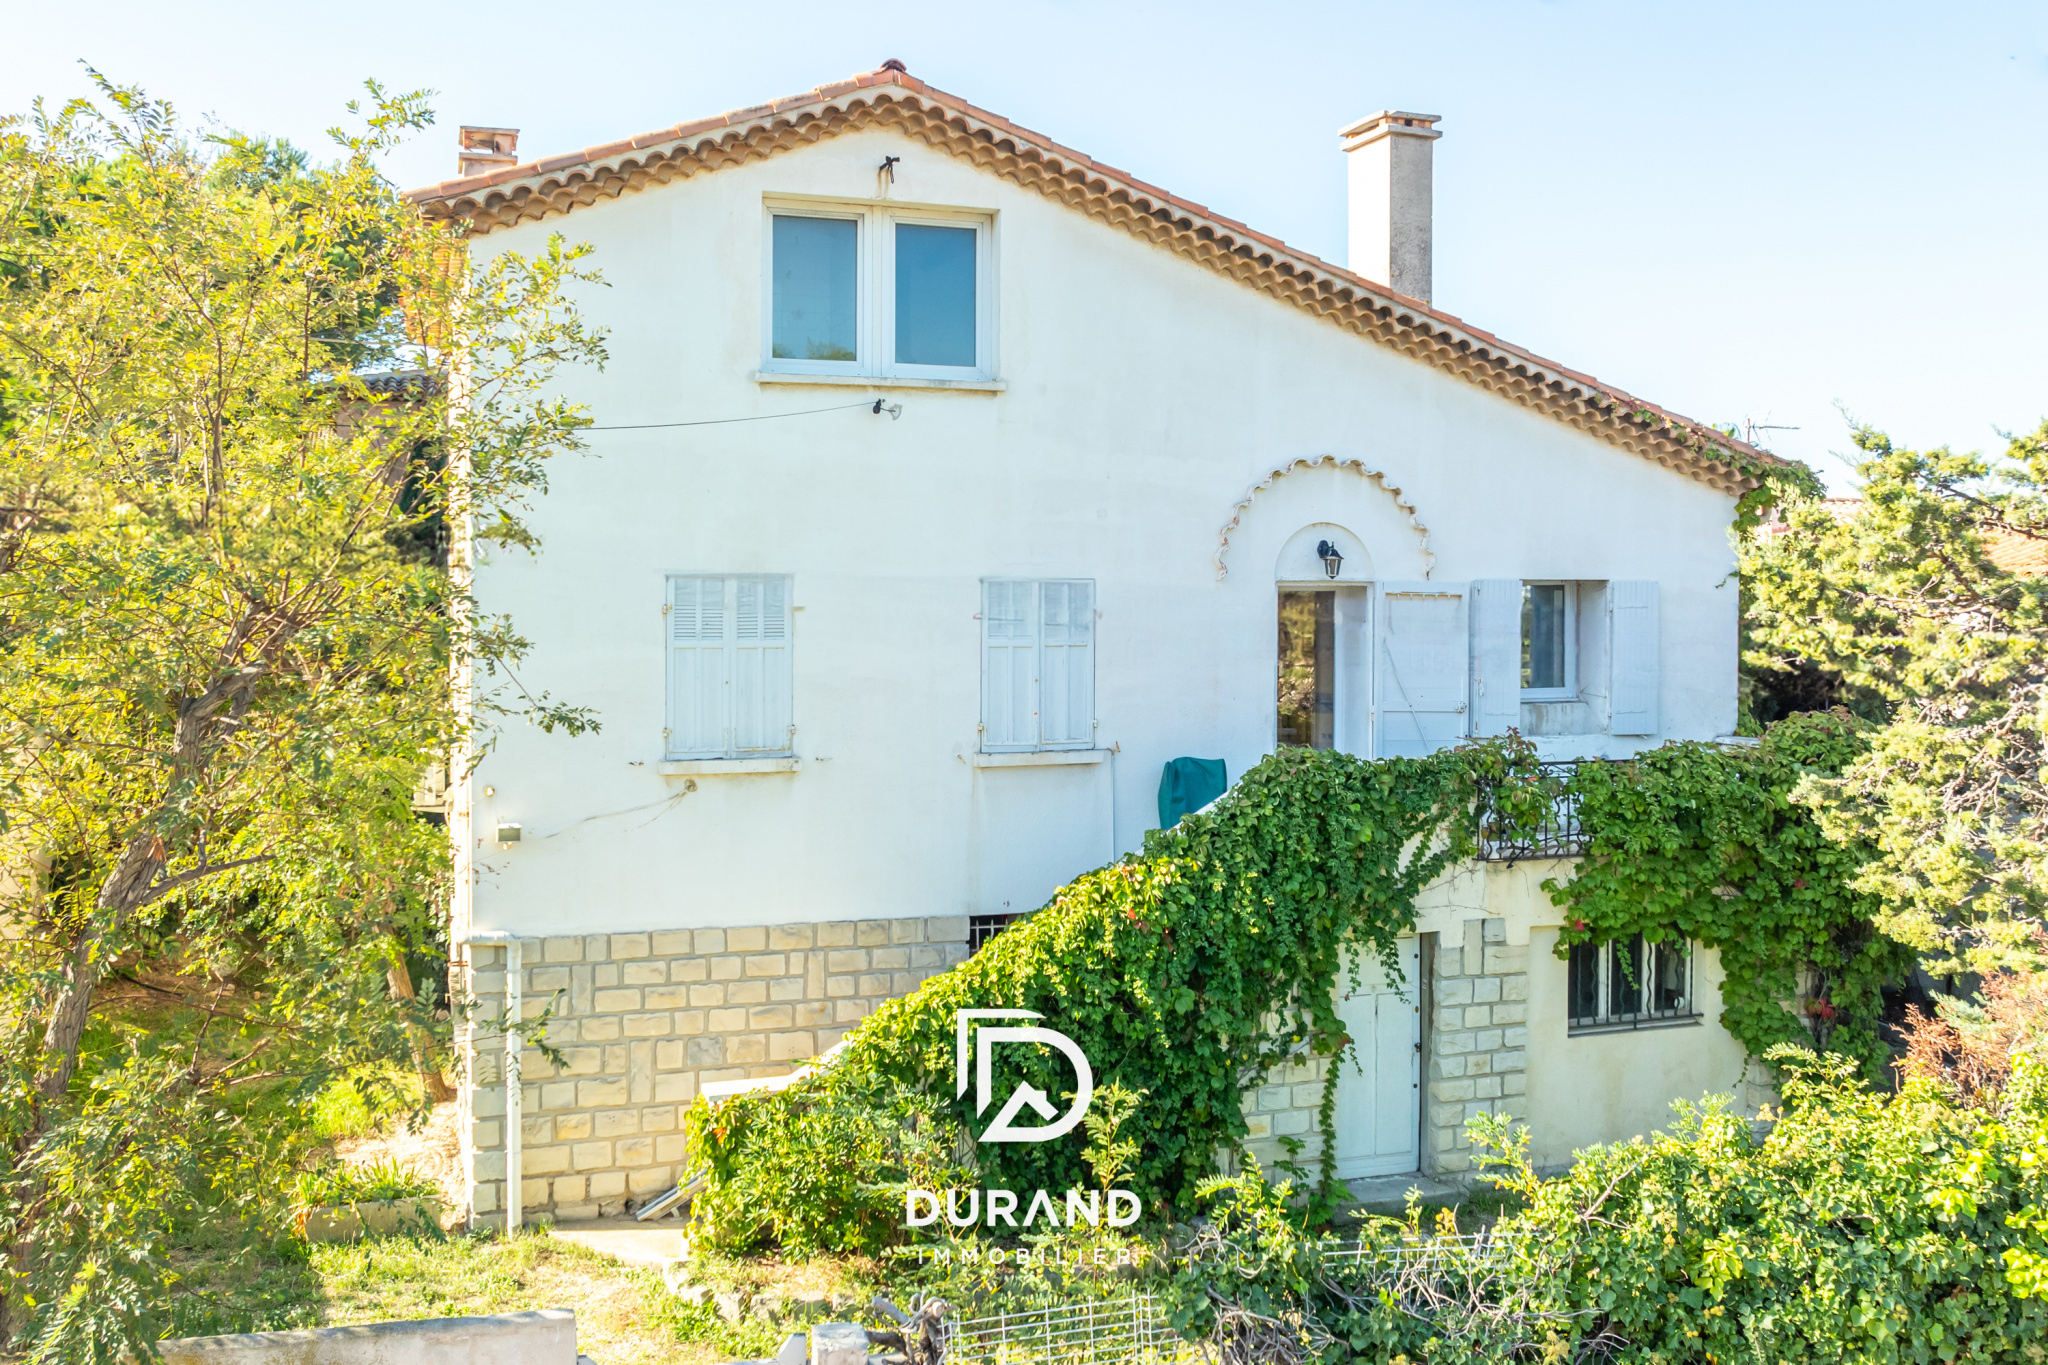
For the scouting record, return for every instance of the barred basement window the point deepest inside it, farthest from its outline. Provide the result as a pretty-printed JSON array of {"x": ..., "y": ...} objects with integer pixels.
[
  {"x": 982, "y": 928},
  {"x": 1628, "y": 983}
]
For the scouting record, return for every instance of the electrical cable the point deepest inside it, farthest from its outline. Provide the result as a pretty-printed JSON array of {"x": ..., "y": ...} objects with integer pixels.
[{"x": 874, "y": 405}]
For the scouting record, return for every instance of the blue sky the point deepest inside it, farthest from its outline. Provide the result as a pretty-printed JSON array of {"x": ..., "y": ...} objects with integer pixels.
[{"x": 1739, "y": 211}]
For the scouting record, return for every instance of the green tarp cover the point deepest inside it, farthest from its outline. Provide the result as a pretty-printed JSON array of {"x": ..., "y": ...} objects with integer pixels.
[{"x": 1188, "y": 784}]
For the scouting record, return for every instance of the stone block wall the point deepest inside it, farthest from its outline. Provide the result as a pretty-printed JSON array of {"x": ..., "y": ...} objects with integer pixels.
[
  {"x": 1288, "y": 1106},
  {"x": 1478, "y": 1040},
  {"x": 641, "y": 1020}
]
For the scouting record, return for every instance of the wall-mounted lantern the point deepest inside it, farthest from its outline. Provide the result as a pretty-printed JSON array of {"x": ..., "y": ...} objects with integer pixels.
[{"x": 1332, "y": 560}]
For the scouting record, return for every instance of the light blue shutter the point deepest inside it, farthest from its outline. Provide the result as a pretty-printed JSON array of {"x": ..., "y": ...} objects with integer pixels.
[
  {"x": 1423, "y": 667},
  {"x": 1496, "y": 655},
  {"x": 1067, "y": 665},
  {"x": 1009, "y": 665},
  {"x": 760, "y": 666},
  {"x": 1633, "y": 640},
  {"x": 696, "y": 666}
]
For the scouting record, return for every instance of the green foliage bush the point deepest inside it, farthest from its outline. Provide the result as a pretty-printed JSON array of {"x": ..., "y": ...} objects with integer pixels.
[
  {"x": 815, "y": 1168},
  {"x": 380, "y": 1180},
  {"x": 1864, "y": 1227}
]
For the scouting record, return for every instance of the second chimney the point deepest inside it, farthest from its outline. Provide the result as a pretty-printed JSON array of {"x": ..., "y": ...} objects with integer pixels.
[
  {"x": 1390, "y": 199},
  {"x": 487, "y": 149}
]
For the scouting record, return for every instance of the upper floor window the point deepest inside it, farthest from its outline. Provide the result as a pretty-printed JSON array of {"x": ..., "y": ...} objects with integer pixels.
[
  {"x": 879, "y": 290},
  {"x": 728, "y": 666},
  {"x": 1627, "y": 983},
  {"x": 1038, "y": 664},
  {"x": 1550, "y": 641}
]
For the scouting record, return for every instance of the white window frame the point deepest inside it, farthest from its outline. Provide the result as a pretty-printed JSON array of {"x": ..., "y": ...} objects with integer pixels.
[
  {"x": 1040, "y": 744},
  {"x": 1606, "y": 1019},
  {"x": 863, "y": 298},
  {"x": 1570, "y": 690},
  {"x": 728, "y": 728},
  {"x": 876, "y": 247}
]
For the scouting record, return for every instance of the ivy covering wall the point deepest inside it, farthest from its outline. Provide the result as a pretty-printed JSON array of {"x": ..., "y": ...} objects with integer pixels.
[
  {"x": 1192, "y": 969},
  {"x": 1187, "y": 971},
  {"x": 1710, "y": 843}
]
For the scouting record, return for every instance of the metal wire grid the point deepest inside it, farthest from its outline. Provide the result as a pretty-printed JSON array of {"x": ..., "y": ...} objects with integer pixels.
[
  {"x": 1116, "y": 1331},
  {"x": 1461, "y": 1255},
  {"x": 1104, "y": 1333},
  {"x": 1559, "y": 835}
]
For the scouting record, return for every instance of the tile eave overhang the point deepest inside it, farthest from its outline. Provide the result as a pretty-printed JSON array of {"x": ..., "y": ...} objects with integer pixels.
[{"x": 562, "y": 184}]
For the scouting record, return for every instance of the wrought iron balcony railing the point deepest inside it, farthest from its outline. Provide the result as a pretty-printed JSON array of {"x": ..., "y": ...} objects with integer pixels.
[{"x": 1554, "y": 832}]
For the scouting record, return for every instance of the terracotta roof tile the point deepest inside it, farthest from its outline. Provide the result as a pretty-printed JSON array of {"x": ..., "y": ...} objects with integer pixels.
[{"x": 891, "y": 98}]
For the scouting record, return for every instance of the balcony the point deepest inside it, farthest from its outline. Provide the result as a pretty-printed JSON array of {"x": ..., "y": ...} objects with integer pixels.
[{"x": 1507, "y": 831}]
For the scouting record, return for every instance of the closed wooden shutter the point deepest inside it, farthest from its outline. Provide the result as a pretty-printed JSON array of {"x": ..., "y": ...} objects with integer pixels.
[
  {"x": 1496, "y": 655},
  {"x": 1424, "y": 663},
  {"x": 1009, "y": 667},
  {"x": 1633, "y": 641},
  {"x": 696, "y": 666},
  {"x": 1067, "y": 665},
  {"x": 760, "y": 666}
]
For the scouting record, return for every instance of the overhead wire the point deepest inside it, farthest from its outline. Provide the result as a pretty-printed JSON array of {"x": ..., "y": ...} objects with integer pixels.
[{"x": 873, "y": 405}]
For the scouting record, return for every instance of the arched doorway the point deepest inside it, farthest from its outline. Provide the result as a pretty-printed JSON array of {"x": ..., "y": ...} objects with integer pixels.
[{"x": 1323, "y": 684}]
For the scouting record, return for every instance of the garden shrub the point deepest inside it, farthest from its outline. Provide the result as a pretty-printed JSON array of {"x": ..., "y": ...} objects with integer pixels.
[
  {"x": 1969, "y": 1049},
  {"x": 1864, "y": 1227},
  {"x": 816, "y": 1168},
  {"x": 384, "y": 1179}
]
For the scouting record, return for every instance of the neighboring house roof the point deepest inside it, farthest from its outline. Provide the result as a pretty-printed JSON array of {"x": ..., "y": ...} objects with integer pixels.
[
  {"x": 2022, "y": 555},
  {"x": 1841, "y": 509},
  {"x": 892, "y": 98}
]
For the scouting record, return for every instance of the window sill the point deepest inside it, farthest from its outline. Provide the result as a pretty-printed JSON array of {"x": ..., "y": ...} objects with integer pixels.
[
  {"x": 1636, "y": 1026},
  {"x": 1044, "y": 758},
  {"x": 876, "y": 381},
  {"x": 728, "y": 767}
]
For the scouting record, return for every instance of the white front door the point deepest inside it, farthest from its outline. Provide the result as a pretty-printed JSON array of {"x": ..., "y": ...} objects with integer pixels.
[{"x": 1379, "y": 1086}]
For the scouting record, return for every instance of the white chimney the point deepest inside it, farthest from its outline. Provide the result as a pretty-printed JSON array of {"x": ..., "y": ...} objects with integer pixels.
[
  {"x": 1390, "y": 199},
  {"x": 487, "y": 149}
]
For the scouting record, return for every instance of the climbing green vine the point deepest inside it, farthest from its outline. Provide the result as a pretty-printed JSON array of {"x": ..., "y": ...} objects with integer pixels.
[
  {"x": 1190, "y": 971},
  {"x": 1710, "y": 843},
  {"x": 1187, "y": 972}
]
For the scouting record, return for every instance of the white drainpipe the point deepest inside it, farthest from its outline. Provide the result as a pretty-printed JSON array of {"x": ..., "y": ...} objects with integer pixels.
[{"x": 515, "y": 1216}]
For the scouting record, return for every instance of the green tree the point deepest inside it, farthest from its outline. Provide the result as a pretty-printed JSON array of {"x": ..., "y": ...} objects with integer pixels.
[
  {"x": 1905, "y": 600},
  {"x": 230, "y": 611}
]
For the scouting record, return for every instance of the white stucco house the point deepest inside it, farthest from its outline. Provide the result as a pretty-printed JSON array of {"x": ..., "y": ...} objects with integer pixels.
[{"x": 947, "y": 486}]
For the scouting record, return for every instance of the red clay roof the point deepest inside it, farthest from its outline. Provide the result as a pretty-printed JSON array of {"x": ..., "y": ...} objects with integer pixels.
[{"x": 894, "y": 98}]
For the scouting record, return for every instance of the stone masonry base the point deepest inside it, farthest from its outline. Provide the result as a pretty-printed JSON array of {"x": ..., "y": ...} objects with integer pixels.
[
  {"x": 641, "y": 1020},
  {"x": 1477, "y": 1048}
]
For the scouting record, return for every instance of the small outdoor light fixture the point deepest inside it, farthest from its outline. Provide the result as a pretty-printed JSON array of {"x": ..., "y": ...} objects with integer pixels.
[
  {"x": 508, "y": 833},
  {"x": 1332, "y": 560}
]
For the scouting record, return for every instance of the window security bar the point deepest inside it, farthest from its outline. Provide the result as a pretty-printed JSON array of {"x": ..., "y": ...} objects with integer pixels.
[{"x": 982, "y": 928}]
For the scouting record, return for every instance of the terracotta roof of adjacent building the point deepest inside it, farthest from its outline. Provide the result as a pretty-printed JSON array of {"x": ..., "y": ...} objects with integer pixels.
[{"x": 891, "y": 97}]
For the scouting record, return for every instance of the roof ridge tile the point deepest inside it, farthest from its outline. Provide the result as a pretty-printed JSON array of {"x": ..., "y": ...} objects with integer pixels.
[{"x": 1691, "y": 444}]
